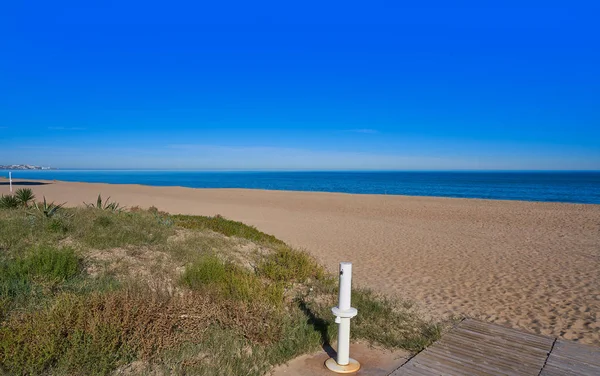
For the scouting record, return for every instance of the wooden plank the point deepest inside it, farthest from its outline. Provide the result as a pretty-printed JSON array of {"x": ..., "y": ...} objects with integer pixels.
[
  {"x": 462, "y": 364},
  {"x": 484, "y": 341},
  {"x": 495, "y": 350},
  {"x": 517, "y": 353},
  {"x": 427, "y": 363},
  {"x": 507, "y": 334},
  {"x": 577, "y": 351},
  {"x": 474, "y": 348},
  {"x": 555, "y": 371},
  {"x": 466, "y": 355},
  {"x": 417, "y": 370},
  {"x": 456, "y": 363},
  {"x": 490, "y": 361},
  {"x": 571, "y": 358},
  {"x": 551, "y": 370},
  {"x": 485, "y": 344},
  {"x": 482, "y": 349},
  {"x": 504, "y": 335},
  {"x": 446, "y": 366}
]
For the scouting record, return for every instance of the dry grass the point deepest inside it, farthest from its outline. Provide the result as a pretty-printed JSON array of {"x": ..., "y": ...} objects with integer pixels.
[
  {"x": 100, "y": 331},
  {"x": 96, "y": 292}
]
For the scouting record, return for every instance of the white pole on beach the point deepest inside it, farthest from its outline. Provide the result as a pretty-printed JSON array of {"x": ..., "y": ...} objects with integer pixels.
[
  {"x": 10, "y": 180},
  {"x": 344, "y": 312}
]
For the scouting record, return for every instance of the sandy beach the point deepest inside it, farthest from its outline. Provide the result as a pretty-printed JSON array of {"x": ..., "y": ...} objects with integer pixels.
[{"x": 534, "y": 266}]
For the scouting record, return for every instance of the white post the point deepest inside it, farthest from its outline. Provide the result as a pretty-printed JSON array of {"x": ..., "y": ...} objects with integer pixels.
[
  {"x": 343, "y": 352},
  {"x": 344, "y": 312},
  {"x": 10, "y": 180}
]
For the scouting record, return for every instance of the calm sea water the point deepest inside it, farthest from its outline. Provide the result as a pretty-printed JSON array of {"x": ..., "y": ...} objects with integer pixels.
[{"x": 578, "y": 187}]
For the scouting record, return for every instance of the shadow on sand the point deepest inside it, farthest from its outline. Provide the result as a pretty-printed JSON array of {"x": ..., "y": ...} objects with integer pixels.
[{"x": 23, "y": 183}]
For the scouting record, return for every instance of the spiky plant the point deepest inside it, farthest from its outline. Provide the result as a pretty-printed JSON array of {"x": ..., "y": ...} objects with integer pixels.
[
  {"x": 105, "y": 205},
  {"x": 46, "y": 209},
  {"x": 25, "y": 196},
  {"x": 8, "y": 202}
]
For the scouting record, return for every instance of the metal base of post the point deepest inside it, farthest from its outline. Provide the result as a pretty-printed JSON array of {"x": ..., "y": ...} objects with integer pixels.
[{"x": 351, "y": 367}]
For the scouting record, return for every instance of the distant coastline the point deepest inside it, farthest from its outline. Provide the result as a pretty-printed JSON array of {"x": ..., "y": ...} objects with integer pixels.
[{"x": 24, "y": 167}]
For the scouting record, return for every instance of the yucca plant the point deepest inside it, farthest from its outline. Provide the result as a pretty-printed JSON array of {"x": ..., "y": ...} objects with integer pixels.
[
  {"x": 24, "y": 196},
  {"x": 9, "y": 202},
  {"x": 46, "y": 209},
  {"x": 105, "y": 205}
]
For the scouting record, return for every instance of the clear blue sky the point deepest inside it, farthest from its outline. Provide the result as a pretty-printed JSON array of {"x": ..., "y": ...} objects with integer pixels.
[{"x": 301, "y": 85}]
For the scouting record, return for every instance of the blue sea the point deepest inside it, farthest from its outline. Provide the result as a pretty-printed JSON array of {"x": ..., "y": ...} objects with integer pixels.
[{"x": 575, "y": 187}]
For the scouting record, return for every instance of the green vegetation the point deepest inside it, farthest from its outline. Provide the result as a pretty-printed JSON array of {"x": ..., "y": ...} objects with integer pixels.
[
  {"x": 46, "y": 262},
  {"x": 46, "y": 209},
  {"x": 21, "y": 198},
  {"x": 89, "y": 291},
  {"x": 286, "y": 264},
  {"x": 24, "y": 196},
  {"x": 106, "y": 205},
  {"x": 23, "y": 279},
  {"x": 226, "y": 227},
  {"x": 8, "y": 202},
  {"x": 230, "y": 281},
  {"x": 102, "y": 230}
]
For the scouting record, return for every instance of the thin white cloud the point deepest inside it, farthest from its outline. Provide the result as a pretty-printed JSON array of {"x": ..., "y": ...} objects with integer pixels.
[
  {"x": 66, "y": 128},
  {"x": 244, "y": 157},
  {"x": 268, "y": 157},
  {"x": 364, "y": 131}
]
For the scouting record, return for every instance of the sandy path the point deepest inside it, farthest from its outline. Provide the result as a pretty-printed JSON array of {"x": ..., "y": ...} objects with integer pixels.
[{"x": 530, "y": 265}]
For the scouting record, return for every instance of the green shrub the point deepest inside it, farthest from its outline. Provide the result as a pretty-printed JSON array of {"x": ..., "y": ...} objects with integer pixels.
[
  {"x": 19, "y": 230},
  {"x": 225, "y": 352},
  {"x": 14, "y": 229},
  {"x": 191, "y": 245},
  {"x": 44, "y": 262},
  {"x": 230, "y": 281},
  {"x": 289, "y": 265},
  {"x": 96, "y": 333},
  {"x": 106, "y": 205},
  {"x": 15, "y": 284},
  {"x": 28, "y": 280},
  {"x": 209, "y": 270},
  {"x": 226, "y": 227},
  {"x": 57, "y": 225},
  {"x": 9, "y": 202},
  {"x": 391, "y": 323},
  {"x": 52, "y": 263},
  {"x": 45, "y": 209},
  {"x": 21, "y": 198},
  {"x": 104, "y": 229},
  {"x": 24, "y": 196},
  {"x": 71, "y": 335},
  {"x": 103, "y": 221}
]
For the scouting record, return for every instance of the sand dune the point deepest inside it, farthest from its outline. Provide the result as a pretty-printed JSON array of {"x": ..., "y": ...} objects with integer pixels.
[{"x": 534, "y": 266}]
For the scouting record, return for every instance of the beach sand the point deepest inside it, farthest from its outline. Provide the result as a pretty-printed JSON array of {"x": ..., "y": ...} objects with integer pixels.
[{"x": 534, "y": 266}]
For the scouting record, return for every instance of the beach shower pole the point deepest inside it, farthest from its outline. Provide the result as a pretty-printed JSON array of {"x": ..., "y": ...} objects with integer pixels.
[
  {"x": 10, "y": 180},
  {"x": 344, "y": 312}
]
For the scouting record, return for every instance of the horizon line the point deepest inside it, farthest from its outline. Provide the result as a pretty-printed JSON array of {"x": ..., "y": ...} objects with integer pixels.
[{"x": 54, "y": 169}]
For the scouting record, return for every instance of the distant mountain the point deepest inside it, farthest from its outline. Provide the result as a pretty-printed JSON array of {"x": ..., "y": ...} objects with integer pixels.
[{"x": 24, "y": 167}]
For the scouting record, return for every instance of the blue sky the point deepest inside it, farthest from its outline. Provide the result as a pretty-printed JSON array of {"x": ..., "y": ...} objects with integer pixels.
[{"x": 432, "y": 85}]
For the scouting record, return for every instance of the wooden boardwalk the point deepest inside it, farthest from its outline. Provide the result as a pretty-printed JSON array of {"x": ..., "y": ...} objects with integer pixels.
[{"x": 478, "y": 348}]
